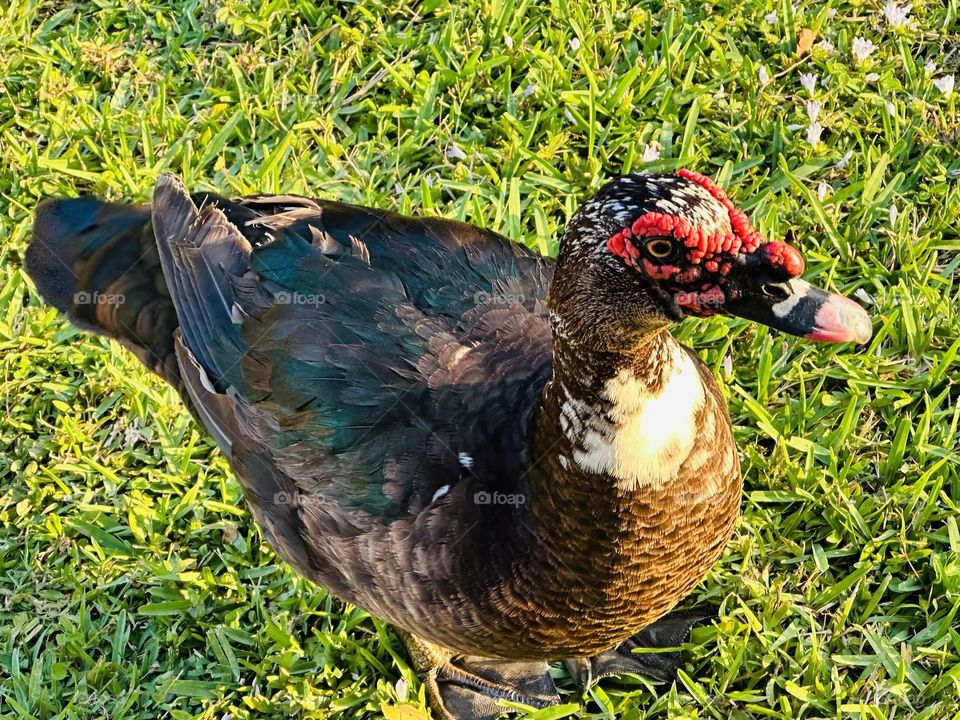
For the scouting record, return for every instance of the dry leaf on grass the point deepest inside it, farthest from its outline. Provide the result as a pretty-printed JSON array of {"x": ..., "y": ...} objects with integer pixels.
[{"x": 805, "y": 41}]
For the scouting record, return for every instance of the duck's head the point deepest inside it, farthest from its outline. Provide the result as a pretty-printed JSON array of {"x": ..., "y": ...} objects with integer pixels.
[{"x": 648, "y": 250}]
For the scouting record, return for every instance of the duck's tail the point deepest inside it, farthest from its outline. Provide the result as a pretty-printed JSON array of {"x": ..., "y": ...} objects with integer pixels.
[{"x": 97, "y": 262}]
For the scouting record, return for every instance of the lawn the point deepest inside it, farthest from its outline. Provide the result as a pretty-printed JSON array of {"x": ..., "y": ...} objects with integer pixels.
[{"x": 133, "y": 583}]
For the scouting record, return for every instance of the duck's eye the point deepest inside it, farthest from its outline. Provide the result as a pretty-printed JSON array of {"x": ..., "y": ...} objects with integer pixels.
[{"x": 660, "y": 248}]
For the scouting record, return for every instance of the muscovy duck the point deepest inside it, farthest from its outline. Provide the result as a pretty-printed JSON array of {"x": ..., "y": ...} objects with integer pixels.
[{"x": 509, "y": 459}]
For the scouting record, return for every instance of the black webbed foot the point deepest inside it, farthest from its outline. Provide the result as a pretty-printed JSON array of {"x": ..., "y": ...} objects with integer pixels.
[
  {"x": 654, "y": 652},
  {"x": 470, "y": 688}
]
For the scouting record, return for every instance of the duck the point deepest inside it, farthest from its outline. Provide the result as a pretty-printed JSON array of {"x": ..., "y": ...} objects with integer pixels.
[{"x": 506, "y": 457}]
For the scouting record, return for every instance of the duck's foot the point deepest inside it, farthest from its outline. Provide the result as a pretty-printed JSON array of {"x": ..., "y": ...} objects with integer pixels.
[
  {"x": 463, "y": 687},
  {"x": 654, "y": 652}
]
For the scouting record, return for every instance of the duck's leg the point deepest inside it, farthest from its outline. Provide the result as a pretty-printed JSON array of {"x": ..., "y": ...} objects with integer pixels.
[
  {"x": 653, "y": 652},
  {"x": 463, "y": 687}
]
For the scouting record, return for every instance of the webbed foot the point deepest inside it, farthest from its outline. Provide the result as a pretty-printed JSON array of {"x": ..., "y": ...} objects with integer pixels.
[
  {"x": 463, "y": 687},
  {"x": 654, "y": 652}
]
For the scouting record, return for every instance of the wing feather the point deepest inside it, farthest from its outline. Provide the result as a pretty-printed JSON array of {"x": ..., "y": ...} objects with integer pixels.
[{"x": 366, "y": 353}]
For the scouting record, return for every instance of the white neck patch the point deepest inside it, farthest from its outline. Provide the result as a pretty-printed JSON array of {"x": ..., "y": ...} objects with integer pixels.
[{"x": 641, "y": 439}]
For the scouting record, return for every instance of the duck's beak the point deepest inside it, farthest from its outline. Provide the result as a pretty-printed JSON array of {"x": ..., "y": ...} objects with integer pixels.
[
  {"x": 771, "y": 292},
  {"x": 795, "y": 306}
]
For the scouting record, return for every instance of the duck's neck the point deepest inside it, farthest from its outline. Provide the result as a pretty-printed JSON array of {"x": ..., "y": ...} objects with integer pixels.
[
  {"x": 630, "y": 454},
  {"x": 630, "y": 417}
]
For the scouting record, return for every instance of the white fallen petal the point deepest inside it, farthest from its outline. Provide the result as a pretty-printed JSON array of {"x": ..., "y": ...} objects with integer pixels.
[
  {"x": 822, "y": 191},
  {"x": 944, "y": 85},
  {"x": 455, "y": 153},
  {"x": 897, "y": 15},
  {"x": 651, "y": 153},
  {"x": 862, "y": 48},
  {"x": 764, "y": 75}
]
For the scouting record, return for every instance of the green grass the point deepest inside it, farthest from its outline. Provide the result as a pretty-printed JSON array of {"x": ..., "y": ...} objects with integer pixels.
[{"x": 133, "y": 583}]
